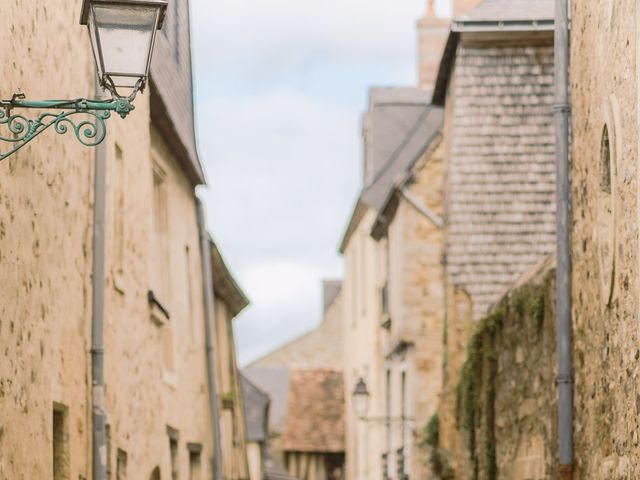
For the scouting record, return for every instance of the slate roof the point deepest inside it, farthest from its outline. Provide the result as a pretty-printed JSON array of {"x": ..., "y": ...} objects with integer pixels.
[
  {"x": 398, "y": 128},
  {"x": 510, "y": 10},
  {"x": 256, "y": 411},
  {"x": 491, "y": 17},
  {"x": 172, "y": 109},
  {"x": 501, "y": 171},
  {"x": 315, "y": 422},
  {"x": 274, "y": 381}
]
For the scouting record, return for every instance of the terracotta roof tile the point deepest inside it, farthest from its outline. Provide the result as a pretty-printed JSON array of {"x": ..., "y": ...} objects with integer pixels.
[{"x": 315, "y": 419}]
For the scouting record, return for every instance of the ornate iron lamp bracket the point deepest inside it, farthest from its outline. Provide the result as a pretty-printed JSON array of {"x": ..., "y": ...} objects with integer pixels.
[{"x": 90, "y": 129}]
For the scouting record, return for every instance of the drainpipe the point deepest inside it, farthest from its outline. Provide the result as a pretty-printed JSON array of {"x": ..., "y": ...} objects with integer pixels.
[
  {"x": 99, "y": 444},
  {"x": 563, "y": 218},
  {"x": 209, "y": 322}
]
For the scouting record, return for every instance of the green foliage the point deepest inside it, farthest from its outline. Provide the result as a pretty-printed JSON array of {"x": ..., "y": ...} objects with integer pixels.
[
  {"x": 432, "y": 432},
  {"x": 475, "y": 394},
  {"x": 438, "y": 459}
]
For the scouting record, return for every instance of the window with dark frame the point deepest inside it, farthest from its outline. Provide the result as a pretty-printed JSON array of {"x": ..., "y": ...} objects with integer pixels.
[
  {"x": 121, "y": 465},
  {"x": 60, "y": 449},
  {"x": 195, "y": 461},
  {"x": 174, "y": 437}
]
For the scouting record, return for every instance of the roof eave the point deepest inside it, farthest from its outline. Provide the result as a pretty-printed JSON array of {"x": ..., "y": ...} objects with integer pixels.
[
  {"x": 444, "y": 71},
  {"x": 355, "y": 219},
  {"x": 189, "y": 162},
  {"x": 225, "y": 286},
  {"x": 493, "y": 26},
  {"x": 460, "y": 27}
]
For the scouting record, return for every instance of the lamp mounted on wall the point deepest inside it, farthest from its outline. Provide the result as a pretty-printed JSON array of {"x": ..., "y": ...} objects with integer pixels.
[
  {"x": 361, "y": 399},
  {"x": 122, "y": 34}
]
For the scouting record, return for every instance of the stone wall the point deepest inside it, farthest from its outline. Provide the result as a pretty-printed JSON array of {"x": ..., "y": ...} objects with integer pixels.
[
  {"x": 604, "y": 93},
  {"x": 45, "y": 273},
  {"x": 505, "y": 402},
  {"x": 416, "y": 303}
]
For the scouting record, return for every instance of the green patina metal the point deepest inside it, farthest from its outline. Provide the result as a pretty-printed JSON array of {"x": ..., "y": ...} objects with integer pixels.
[{"x": 90, "y": 131}]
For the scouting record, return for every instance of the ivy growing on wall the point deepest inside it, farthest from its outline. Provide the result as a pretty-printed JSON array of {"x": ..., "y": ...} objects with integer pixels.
[{"x": 476, "y": 392}]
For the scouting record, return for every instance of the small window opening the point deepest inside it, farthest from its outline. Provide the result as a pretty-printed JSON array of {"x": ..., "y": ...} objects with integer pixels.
[
  {"x": 118, "y": 217},
  {"x": 173, "y": 452},
  {"x": 195, "y": 462},
  {"x": 60, "y": 443},
  {"x": 109, "y": 464},
  {"x": 121, "y": 465},
  {"x": 605, "y": 162}
]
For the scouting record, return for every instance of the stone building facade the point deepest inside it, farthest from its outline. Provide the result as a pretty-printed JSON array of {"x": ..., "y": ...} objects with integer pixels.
[
  {"x": 507, "y": 427},
  {"x": 409, "y": 229},
  {"x": 229, "y": 301},
  {"x": 156, "y": 398},
  {"x": 496, "y": 85},
  {"x": 398, "y": 128},
  {"x": 604, "y": 155}
]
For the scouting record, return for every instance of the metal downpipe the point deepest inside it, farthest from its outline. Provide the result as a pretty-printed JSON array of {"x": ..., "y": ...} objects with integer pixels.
[
  {"x": 98, "y": 417},
  {"x": 209, "y": 324},
  {"x": 563, "y": 219}
]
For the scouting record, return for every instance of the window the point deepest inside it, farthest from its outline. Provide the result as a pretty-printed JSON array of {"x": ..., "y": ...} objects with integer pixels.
[
  {"x": 606, "y": 216},
  {"x": 189, "y": 295},
  {"x": 605, "y": 162},
  {"x": 155, "y": 475},
  {"x": 195, "y": 461},
  {"x": 403, "y": 463},
  {"x": 173, "y": 451},
  {"x": 387, "y": 386},
  {"x": 108, "y": 438},
  {"x": 60, "y": 443},
  {"x": 118, "y": 220},
  {"x": 160, "y": 259},
  {"x": 176, "y": 30},
  {"x": 121, "y": 465},
  {"x": 160, "y": 280}
]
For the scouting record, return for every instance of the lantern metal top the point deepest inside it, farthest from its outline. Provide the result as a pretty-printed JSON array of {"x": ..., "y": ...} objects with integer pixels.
[
  {"x": 361, "y": 388},
  {"x": 84, "y": 15}
]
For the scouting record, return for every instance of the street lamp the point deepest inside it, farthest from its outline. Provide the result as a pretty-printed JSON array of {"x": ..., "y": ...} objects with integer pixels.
[
  {"x": 361, "y": 398},
  {"x": 122, "y": 34}
]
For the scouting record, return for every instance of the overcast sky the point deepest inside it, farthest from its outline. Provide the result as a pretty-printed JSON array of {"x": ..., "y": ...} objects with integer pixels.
[{"x": 280, "y": 87}]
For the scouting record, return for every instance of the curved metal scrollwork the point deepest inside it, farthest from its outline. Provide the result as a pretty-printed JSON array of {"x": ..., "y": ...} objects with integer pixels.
[
  {"x": 18, "y": 130},
  {"x": 22, "y": 130}
]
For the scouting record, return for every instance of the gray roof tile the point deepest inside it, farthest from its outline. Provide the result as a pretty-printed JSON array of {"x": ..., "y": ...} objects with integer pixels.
[
  {"x": 172, "y": 89},
  {"x": 510, "y": 10},
  {"x": 256, "y": 410}
]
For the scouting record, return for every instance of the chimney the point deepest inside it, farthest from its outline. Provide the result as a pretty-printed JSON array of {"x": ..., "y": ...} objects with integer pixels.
[
  {"x": 460, "y": 7},
  {"x": 432, "y": 37}
]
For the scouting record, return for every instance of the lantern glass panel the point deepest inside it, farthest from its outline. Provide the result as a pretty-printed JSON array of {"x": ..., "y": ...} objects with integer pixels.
[
  {"x": 361, "y": 404},
  {"x": 123, "y": 41}
]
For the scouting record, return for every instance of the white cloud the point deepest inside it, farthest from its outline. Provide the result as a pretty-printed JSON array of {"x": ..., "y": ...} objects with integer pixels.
[{"x": 280, "y": 86}]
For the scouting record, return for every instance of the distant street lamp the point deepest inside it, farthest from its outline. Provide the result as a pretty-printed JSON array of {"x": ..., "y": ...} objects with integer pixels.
[
  {"x": 122, "y": 34},
  {"x": 361, "y": 399}
]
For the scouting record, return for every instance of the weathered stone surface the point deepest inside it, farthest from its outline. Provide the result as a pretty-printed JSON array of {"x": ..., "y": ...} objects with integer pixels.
[
  {"x": 46, "y": 198},
  {"x": 500, "y": 170},
  {"x": 604, "y": 91}
]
